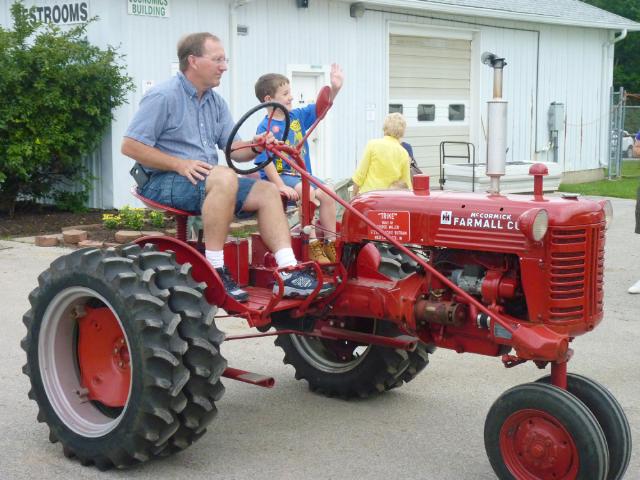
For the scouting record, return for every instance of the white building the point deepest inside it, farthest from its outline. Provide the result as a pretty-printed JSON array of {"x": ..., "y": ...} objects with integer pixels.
[{"x": 419, "y": 55}]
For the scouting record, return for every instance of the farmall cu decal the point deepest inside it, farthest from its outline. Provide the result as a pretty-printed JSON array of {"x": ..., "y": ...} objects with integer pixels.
[{"x": 480, "y": 220}]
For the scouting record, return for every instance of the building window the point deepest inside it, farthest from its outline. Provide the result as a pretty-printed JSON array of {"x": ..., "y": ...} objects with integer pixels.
[
  {"x": 456, "y": 112},
  {"x": 426, "y": 113},
  {"x": 395, "y": 108}
]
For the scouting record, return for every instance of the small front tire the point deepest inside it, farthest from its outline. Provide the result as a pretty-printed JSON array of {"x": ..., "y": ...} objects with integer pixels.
[{"x": 535, "y": 431}]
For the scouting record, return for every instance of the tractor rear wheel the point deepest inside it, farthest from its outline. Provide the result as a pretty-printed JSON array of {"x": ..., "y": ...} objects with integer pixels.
[
  {"x": 609, "y": 415},
  {"x": 343, "y": 368},
  {"x": 418, "y": 361},
  {"x": 104, "y": 358},
  {"x": 198, "y": 329},
  {"x": 535, "y": 431}
]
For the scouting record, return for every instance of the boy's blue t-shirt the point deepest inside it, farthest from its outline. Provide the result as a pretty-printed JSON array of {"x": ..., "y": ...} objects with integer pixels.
[{"x": 301, "y": 120}]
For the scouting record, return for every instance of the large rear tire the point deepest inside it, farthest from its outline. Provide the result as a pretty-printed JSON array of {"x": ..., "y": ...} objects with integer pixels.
[
  {"x": 610, "y": 416},
  {"x": 104, "y": 358},
  {"x": 198, "y": 329},
  {"x": 535, "y": 431},
  {"x": 342, "y": 368},
  {"x": 418, "y": 361}
]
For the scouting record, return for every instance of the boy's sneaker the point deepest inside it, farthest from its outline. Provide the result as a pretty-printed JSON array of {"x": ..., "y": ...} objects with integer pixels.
[
  {"x": 330, "y": 251},
  {"x": 232, "y": 288},
  {"x": 316, "y": 252},
  {"x": 301, "y": 283}
]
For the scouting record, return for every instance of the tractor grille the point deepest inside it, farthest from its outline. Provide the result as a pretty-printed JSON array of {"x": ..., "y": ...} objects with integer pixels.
[{"x": 576, "y": 260}]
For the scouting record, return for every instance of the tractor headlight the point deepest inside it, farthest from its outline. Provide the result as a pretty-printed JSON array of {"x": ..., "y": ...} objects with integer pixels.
[
  {"x": 534, "y": 223},
  {"x": 607, "y": 207}
]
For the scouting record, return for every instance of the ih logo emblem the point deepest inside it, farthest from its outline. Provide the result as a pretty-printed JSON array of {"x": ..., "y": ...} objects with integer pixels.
[{"x": 445, "y": 217}]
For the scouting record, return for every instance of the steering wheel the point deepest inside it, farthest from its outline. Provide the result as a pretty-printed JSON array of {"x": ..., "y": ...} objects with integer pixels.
[{"x": 228, "y": 150}]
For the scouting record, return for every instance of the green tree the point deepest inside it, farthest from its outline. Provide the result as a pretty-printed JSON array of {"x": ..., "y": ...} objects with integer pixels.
[
  {"x": 58, "y": 92},
  {"x": 626, "y": 70}
]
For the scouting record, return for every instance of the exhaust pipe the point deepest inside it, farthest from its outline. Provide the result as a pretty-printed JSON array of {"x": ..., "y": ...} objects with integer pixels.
[{"x": 496, "y": 125}]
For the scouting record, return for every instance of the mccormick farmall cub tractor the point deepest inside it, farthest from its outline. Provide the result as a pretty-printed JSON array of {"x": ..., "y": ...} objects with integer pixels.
[{"x": 124, "y": 355}]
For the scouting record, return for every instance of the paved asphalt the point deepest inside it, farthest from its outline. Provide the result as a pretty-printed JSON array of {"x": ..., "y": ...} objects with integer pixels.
[{"x": 429, "y": 429}]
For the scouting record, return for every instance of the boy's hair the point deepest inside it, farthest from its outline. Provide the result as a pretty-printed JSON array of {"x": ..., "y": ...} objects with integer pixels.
[
  {"x": 269, "y": 84},
  {"x": 394, "y": 125},
  {"x": 192, "y": 44}
]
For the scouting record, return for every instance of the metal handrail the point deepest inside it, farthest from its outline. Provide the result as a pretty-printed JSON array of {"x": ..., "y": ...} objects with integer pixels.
[{"x": 471, "y": 154}]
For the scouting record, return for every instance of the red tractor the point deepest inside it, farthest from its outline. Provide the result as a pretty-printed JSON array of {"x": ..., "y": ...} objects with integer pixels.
[{"x": 124, "y": 355}]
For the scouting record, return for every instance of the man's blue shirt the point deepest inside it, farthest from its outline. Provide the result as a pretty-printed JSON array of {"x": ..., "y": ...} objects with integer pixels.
[{"x": 172, "y": 119}]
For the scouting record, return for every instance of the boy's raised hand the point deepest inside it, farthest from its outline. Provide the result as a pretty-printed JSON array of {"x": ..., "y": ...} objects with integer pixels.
[{"x": 337, "y": 78}]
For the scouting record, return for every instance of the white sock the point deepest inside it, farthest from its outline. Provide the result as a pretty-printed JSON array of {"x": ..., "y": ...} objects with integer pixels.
[
  {"x": 215, "y": 257},
  {"x": 285, "y": 258}
]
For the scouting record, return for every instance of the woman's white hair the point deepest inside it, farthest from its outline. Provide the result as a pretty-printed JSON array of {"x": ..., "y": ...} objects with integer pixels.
[{"x": 394, "y": 125}]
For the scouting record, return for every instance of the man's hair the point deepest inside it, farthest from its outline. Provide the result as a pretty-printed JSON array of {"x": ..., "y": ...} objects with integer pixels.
[
  {"x": 269, "y": 84},
  {"x": 394, "y": 125},
  {"x": 192, "y": 44}
]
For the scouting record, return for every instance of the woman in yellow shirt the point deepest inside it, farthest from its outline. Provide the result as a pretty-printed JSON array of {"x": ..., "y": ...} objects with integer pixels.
[{"x": 385, "y": 163}]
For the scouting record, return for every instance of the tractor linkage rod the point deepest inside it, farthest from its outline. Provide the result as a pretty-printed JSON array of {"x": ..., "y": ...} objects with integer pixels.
[
  {"x": 249, "y": 377},
  {"x": 402, "y": 342}
]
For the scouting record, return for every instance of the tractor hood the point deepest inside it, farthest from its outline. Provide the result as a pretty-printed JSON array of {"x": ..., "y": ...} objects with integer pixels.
[{"x": 464, "y": 220}]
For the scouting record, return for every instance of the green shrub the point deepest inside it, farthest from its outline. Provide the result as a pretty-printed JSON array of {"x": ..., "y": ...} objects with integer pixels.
[
  {"x": 58, "y": 92},
  {"x": 111, "y": 221},
  {"x": 132, "y": 218},
  {"x": 156, "y": 218}
]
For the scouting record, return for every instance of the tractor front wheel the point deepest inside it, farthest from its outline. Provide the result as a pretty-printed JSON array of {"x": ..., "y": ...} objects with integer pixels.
[
  {"x": 197, "y": 328},
  {"x": 536, "y": 431},
  {"x": 342, "y": 368},
  {"x": 609, "y": 415},
  {"x": 104, "y": 358}
]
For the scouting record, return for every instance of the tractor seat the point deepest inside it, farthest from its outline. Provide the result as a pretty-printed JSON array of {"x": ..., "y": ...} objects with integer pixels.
[
  {"x": 181, "y": 216},
  {"x": 159, "y": 206}
]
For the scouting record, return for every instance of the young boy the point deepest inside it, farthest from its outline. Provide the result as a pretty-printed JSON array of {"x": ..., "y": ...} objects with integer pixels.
[{"x": 274, "y": 87}]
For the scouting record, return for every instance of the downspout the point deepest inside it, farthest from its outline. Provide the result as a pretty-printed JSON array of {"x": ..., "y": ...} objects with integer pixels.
[
  {"x": 233, "y": 28},
  {"x": 232, "y": 54},
  {"x": 623, "y": 35}
]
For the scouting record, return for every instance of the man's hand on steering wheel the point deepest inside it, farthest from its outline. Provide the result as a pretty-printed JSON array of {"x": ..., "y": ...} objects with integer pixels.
[
  {"x": 194, "y": 170},
  {"x": 234, "y": 150}
]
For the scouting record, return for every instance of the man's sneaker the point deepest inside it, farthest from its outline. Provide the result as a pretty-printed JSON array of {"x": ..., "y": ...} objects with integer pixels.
[
  {"x": 232, "y": 288},
  {"x": 301, "y": 283}
]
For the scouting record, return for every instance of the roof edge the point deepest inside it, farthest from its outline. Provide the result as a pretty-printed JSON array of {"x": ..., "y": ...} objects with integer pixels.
[{"x": 499, "y": 14}]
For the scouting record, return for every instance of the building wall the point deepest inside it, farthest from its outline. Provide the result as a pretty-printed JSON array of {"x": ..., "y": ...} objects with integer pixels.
[{"x": 545, "y": 64}]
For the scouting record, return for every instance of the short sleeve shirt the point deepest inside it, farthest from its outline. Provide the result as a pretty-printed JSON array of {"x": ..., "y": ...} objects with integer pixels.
[
  {"x": 301, "y": 119},
  {"x": 174, "y": 120}
]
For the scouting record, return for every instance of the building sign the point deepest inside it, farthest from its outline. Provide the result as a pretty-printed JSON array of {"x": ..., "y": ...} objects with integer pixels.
[
  {"x": 61, "y": 13},
  {"x": 395, "y": 224},
  {"x": 148, "y": 8}
]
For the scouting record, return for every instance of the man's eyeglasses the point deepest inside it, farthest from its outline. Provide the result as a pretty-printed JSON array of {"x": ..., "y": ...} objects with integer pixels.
[{"x": 217, "y": 60}]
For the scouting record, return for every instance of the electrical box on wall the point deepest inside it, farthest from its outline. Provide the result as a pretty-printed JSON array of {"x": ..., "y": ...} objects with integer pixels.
[{"x": 556, "y": 116}]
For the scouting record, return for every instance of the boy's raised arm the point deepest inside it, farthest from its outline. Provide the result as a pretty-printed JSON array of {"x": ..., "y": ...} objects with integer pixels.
[{"x": 337, "y": 78}]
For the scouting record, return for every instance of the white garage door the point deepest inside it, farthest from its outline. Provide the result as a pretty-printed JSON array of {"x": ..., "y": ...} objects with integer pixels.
[{"x": 429, "y": 82}]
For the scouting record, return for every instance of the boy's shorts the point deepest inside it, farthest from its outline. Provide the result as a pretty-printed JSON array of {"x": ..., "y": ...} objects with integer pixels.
[{"x": 174, "y": 190}]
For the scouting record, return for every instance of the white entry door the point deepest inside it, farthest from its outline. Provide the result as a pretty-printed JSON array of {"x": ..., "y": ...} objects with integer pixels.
[{"x": 306, "y": 82}]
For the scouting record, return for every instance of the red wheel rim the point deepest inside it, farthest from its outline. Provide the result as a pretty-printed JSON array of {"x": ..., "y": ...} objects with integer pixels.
[
  {"x": 103, "y": 357},
  {"x": 535, "y": 445}
]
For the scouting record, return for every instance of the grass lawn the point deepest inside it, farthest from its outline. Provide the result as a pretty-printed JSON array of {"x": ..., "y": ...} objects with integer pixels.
[{"x": 624, "y": 187}]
